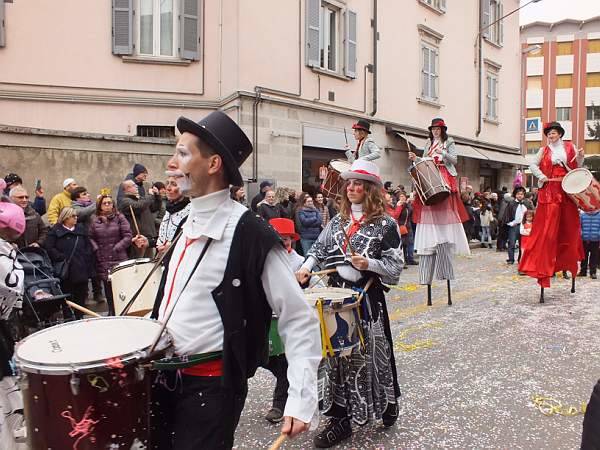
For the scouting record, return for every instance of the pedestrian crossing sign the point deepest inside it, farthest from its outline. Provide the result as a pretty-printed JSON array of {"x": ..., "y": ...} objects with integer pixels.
[{"x": 533, "y": 125}]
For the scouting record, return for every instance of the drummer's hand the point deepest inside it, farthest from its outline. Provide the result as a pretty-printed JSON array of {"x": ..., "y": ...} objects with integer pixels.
[
  {"x": 293, "y": 427},
  {"x": 360, "y": 262},
  {"x": 140, "y": 241},
  {"x": 302, "y": 276},
  {"x": 580, "y": 152},
  {"x": 412, "y": 156},
  {"x": 163, "y": 247}
]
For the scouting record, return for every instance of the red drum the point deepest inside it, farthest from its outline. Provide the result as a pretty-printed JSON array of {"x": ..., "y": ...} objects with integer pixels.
[
  {"x": 429, "y": 183},
  {"x": 333, "y": 184},
  {"x": 582, "y": 187},
  {"x": 84, "y": 386}
]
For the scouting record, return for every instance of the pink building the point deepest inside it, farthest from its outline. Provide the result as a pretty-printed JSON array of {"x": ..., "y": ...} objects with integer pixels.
[{"x": 90, "y": 97}]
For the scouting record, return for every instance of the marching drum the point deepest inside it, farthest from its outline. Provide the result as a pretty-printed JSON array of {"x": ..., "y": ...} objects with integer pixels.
[
  {"x": 339, "y": 316},
  {"x": 332, "y": 186},
  {"x": 429, "y": 183},
  {"x": 84, "y": 386},
  {"x": 127, "y": 277},
  {"x": 582, "y": 187}
]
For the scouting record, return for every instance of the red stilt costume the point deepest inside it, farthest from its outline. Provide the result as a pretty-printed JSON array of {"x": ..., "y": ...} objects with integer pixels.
[{"x": 555, "y": 241}]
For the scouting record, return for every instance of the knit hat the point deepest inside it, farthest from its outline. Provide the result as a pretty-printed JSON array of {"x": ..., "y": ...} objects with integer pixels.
[
  {"x": 137, "y": 169},
  {"x": 12, "y": 217},
  {"x": 12, "y": 178},
  {"x": 67, "y": 182},
  {"x": 265, "y": 184}
]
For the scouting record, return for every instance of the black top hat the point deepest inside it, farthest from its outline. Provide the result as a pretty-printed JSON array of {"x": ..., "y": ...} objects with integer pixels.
[
  {"x": 362, "y": 124},
  {"x": 438, "y": 122},
  {"x": 225, "y": 137},
  {"x": 554, "y": 126}
]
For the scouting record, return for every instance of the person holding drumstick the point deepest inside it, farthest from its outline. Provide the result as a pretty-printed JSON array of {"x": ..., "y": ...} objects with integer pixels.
[
  {"x": 366, "y": 148},
  {"x": 440, "y": 234},
  {"x": 363, "y": 243},
  {"x": 555, "y": 241},
  {"x": 227, "y": 274}
]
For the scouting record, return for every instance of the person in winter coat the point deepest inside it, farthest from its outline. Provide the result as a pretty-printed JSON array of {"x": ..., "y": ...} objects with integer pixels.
[
  {"x": 282, "y": 198},
  {"x": 35, "y": 228},
  {"x": 310, "y": 224},
  {"x": 513, "y": 216},
  {"x": 12, "y": 180},
  {"x": 366, "y": 148},
  {"x": 590, "y": 234},
  {"x": 83, "y": 205},
  {"x": 265, "y": 186},
  {"x": 178, "y": 208},
  {"x": 68, "y": 241},
  {"x": 162, "y": 191},
  {"x": 268, "y": 209},
  {"x": 138, "y": 175},
  {"x": 60, "y": 201},
  {"x": 323, "y": 210},
  {"x": 486, "y": 218},
  {"x": 110, "y": 237},
  {"x": 142, "y": 207}
]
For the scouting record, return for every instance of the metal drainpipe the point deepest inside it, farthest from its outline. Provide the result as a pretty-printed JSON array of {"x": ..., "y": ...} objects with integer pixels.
[
  {"x": 257, "y": 101},
  {"x": 375, "y": 38},
  {"x": 479, "y": 70}
]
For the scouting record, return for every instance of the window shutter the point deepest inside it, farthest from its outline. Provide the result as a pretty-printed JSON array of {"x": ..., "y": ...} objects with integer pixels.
[
  {"x": 500, "y": 24},
  {"x": 442, "y": 5},
  {"x": 425, "y": 72},
  {"x": 351, "y": 37},
  {"x": 189, "y": 20},
  {"x": 122, "y": 27},
  {"x": 2, "y": 37},
  {"x": 313, "y": 9},
  {"x": 485, "y": 18},
  {"x": 434, "y": 73}
]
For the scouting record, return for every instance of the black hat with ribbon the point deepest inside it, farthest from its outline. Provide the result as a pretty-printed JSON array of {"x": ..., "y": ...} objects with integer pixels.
[
  {"x": 438, "y": 122},
  {"x": 362, "y": 124},
  {"x": 554, "y": 126}
]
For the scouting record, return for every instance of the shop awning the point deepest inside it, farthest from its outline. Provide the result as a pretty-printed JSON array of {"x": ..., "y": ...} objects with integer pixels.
[
  {"x": 417, "y": 142},
  {"x": 508, "y": 158},
  {"x": 469, "y": 152}
]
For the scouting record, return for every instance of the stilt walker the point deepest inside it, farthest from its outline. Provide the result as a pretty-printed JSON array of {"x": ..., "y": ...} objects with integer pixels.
[
  {"x": 440, "y": 234},
  {"x": 555, "y": 242}
]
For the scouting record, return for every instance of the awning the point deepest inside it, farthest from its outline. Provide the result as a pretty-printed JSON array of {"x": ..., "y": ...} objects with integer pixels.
[
  {"x": 509, "y": 158},
  {"x": 469, "y": 152},
  {"x": 417, "y": 142}
]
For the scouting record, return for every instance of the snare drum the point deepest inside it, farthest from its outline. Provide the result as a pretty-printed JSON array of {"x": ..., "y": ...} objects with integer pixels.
[
  {"x": 84, "y": 386},
  {"x": 429, "y": 183},
  {"x": 333, "y": 184},
  {"x": 338, "y": 311},
  {"x": 127, "y": 277},
  {"x": 581, "y": 186}
]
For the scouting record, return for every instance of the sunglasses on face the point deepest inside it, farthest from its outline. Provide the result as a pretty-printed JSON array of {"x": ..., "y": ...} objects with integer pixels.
[{"x": 22, "y": 197}]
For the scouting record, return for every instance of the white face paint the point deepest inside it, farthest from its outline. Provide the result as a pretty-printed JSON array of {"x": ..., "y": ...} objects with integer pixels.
[{"x": 183, "y": 155}]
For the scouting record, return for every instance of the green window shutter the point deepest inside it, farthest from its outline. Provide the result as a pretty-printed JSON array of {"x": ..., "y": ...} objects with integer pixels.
[
  {"x": 313, "y": 25},
  {"x": 122, "y": 27},
  {"x": 350, "y": 41},
  {"x": 189, "y": 23}
]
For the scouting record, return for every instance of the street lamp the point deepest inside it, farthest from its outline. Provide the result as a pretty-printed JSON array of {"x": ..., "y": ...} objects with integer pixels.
[{"x": 478, "y": 42}]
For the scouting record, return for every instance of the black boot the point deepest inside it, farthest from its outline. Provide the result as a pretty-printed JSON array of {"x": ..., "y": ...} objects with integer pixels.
[
  {"x": 390, "y": 415},
  {"x": 334, "y": 432}
]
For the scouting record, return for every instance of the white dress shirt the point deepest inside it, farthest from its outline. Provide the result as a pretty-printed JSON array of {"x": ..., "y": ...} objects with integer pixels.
[{"x": 196, "y": 325}]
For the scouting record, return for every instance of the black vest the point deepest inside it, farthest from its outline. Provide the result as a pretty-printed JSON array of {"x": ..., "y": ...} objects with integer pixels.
[{"x": 241, "y": 300}]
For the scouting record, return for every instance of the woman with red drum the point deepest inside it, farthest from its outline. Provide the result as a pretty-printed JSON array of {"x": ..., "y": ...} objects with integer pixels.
[
  {"x": 440, "y": 234},
  {"x": 555, "y": 241}
]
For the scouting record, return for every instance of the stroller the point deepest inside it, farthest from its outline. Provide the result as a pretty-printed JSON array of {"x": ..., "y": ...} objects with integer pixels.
[{"x": 43, "y": 300}]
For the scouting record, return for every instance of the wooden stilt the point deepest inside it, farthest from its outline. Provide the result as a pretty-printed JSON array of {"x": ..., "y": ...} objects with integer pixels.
[
  {"x": 449, "y": 294},
  {"x": 429, "y": 295},
  {"x": 541, "y": 295}
]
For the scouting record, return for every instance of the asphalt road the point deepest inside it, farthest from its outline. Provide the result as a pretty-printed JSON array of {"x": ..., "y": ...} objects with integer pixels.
[{"x": 468, "y": 372}]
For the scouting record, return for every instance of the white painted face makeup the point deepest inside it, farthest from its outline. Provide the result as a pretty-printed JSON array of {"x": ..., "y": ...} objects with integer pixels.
[{"x": 183, "y": 156}]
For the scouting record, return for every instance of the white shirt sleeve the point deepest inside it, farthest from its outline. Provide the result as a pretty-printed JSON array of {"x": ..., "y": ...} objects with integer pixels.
[{"x": 299, "y": 329}]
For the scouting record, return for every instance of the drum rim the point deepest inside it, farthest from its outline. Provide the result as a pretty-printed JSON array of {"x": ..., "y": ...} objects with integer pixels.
[
  {"x": 340, "y": 290},
  {"x": 130, "y": 262},
  {"x": 126, "y": 359},
  {"x": 576, "y": 171},
  {"x": 343, "y": 161}
]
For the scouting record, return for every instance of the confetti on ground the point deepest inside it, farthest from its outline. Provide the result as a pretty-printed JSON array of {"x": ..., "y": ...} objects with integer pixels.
[
  {"x": 549, "y": 406},
  {"x": 419, "y": 344}
]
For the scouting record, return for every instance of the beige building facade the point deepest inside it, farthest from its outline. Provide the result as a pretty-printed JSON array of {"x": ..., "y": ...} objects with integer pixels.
[{"x": 89, "y": 88}]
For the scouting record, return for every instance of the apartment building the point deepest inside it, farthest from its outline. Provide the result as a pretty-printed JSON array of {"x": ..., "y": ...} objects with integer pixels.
[
  {"x": 561, "y": 81},
  {"x": 89, "y": 88}
]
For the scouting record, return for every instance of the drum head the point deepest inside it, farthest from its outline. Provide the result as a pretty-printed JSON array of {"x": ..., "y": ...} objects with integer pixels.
[
  {"x": 333, "y": 294},
  {"x": 340, "y": 165},
  {"x": 577, "y": 181},
  {"x": 85, "y": 345},
  {"x": 130, "y": 263}
]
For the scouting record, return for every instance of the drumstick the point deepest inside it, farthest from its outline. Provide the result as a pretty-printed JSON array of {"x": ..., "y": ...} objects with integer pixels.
[
  {"x": 365, "y": 289},
  {"x": 347, "y": 241},
  {"x": 345, "y": 136},
  {"x": 323, "y": 272},
  {"x": 82, "y": 309},
  {"x": 280, "y": 440},
  {"x": 137, "y": 229}
]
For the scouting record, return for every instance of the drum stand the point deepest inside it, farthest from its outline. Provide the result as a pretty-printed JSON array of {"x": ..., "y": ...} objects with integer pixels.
[
  {"x": 572, "y": 289},
  {"x": 429, "y": 303}
]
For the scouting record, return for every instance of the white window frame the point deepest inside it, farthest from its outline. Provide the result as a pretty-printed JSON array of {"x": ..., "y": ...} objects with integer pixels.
[
  {"x": 325, "y": 33},
  {"x": 491, "y": 95},
  {"x": 562, "y": 109},
  {"x": 432, "y": 76},
  {"x": 495, "y": 30},
  {"x": 437, "y": 5},
  {"x": 156, "y": 30},
  {"x": 592, "y": 112}
]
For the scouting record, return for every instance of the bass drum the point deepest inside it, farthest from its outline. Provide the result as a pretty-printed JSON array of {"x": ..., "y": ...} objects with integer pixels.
[
  {"x": 429, "y": 183},
  {"x": 581, "y": 186},
  {"x": 85, "y": 383},
  {"x": 126, "y": 278},
  {"x": 333, "y": 184}
]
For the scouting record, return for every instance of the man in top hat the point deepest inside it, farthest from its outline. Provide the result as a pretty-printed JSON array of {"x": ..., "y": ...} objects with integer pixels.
[
  {"x": 227, "y": 275},
  {"x": 555, "y": 241},
  {"x": 366, "y": 148}
]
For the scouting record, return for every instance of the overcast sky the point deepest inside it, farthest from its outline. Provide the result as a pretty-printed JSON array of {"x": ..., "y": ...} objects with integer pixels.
[{"x": 555, "y": 10}]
